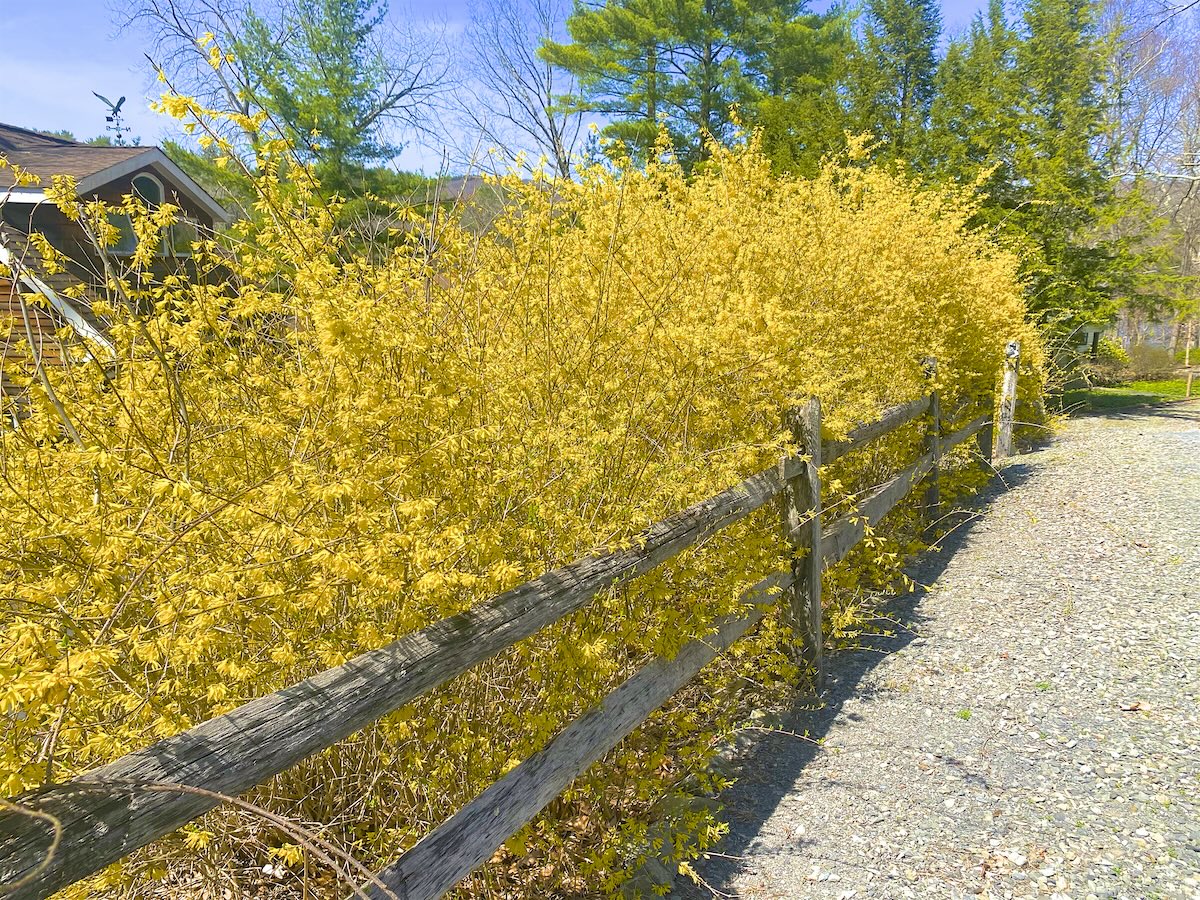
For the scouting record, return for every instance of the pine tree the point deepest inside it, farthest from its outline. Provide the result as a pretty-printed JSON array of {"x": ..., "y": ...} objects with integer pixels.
[
  {"x": 893, "y": 71},
  {"x": 974, "y": 121},
  {"x": 1065, "y": 178},
  {"x": 801, "y": 69},
  {"x": 325, "y": 85},
  {"x": 617, "y": 52},
  {"x": 1024, "y": 110},
  {"x": 682, "y": 64}
]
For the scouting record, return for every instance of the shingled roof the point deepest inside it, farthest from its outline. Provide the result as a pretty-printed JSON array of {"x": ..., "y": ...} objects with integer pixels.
[{"x": 46, "y": 156}]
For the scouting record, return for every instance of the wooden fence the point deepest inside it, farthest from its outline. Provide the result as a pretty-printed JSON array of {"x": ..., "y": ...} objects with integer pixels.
[{"x": 83, "y": 825}]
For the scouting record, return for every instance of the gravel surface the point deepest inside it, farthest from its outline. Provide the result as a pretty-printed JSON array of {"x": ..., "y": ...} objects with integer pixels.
[{"x": 1034, "y": 727}]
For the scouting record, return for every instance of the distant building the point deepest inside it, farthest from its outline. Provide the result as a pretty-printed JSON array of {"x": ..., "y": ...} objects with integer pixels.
[
  {"x": 1086, "y": 338},
  {"x": 102, "y": 173}
]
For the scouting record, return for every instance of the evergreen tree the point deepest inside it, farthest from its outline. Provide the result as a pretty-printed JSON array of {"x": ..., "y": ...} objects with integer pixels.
[
  {"x": 893, "y": 71},
  {"x": 333, "y": 76},
  {"x": 325, "y": 86},
  {"x": 618, "y": 54},
  {"x": 1025, "y": 110},
  {"x": 975, "y": 125},
  {"x": 800, "y": 72},
  {"x": 683, "y": 64},
  {"x": 1064, "y": 181}
]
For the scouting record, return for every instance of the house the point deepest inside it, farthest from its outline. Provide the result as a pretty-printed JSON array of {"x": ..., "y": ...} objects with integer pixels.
[
  {"x": 1086, "y": 338},
  {"x": 32, "y": 327},
  {"x": 102, "y": 173}
]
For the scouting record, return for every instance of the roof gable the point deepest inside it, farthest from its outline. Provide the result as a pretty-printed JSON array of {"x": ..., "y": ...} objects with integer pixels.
[{"x": 91, "y": 167}]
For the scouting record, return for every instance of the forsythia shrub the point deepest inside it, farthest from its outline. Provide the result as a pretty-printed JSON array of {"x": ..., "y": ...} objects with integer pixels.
[{"x": 310, "y": 451}]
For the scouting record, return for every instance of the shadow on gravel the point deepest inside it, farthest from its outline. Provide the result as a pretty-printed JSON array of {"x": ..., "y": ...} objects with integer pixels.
[
  {"x": 1184, "y": 410},
  {"x": 768, "y": 770}
]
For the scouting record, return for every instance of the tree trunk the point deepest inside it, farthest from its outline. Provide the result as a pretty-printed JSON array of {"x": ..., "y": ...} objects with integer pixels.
[
  {"x": 652, "y": 87},
  {"x": 707, "y": 91}
]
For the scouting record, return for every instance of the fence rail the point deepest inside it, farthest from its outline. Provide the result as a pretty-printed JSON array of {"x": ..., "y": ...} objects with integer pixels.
[{"x": 234, "y": 752}]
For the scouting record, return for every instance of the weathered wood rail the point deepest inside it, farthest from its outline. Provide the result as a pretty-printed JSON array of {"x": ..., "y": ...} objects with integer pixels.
[{"x": 234, "y": 752}]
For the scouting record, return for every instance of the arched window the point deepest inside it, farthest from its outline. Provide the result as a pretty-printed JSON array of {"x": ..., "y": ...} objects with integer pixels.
[
  {"x": 148, "y": 189},
  {"x": 176, "y": 239}
]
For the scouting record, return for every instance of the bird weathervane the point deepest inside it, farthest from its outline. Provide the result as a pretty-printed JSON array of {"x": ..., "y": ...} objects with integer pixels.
[{"x": 115, "y": 123}]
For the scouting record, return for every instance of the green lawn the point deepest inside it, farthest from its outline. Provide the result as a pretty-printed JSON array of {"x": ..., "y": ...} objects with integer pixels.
[{"x": 1135, "y": 393}]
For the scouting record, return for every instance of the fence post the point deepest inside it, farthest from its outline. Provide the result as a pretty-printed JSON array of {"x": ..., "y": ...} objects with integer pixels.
[
  {"x": 1008, "y": 399},
  {"x": 802, "y": 528},
  {"x": 933, "y": 445}
]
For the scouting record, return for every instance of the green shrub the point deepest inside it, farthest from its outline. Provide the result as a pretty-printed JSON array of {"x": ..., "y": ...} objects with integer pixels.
[
  {"x": 1109, "y": 366},
  {"x": 1111, "y": 350},
  {"x": 1150, "y": 363}
]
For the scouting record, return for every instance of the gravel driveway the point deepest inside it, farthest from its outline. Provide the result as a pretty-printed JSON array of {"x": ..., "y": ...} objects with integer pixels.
[{"x": 1034, "y": 728}]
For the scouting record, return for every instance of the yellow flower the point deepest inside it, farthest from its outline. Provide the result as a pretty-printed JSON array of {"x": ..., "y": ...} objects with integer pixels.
[{"x": 322, "y": 445}]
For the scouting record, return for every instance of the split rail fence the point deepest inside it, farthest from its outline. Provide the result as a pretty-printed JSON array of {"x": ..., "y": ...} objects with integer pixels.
[{"x": 78, "y": 827}]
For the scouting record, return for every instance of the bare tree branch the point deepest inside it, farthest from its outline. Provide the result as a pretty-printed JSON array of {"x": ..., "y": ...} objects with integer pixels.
[
  {"x": 405, "y": 69},
  {"x": 511, "y": 96}
]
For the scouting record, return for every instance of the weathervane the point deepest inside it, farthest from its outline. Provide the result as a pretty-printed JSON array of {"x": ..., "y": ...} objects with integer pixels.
[{"x": 115, "y": 124}]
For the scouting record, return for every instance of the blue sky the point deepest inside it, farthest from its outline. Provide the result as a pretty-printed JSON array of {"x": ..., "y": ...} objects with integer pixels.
[{"x": 58, "y": 51}]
